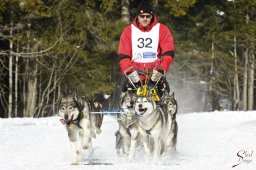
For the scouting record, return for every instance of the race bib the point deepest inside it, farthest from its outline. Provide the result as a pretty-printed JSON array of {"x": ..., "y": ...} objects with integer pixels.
[{"x": 145, "y": 44}]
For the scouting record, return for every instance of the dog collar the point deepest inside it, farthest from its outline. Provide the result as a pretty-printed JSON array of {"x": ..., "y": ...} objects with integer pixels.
[{"x": 151, "y": 129}]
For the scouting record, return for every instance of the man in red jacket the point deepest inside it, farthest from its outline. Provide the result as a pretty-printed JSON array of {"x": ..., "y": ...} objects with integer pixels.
[{"x": 145, "y": 43}]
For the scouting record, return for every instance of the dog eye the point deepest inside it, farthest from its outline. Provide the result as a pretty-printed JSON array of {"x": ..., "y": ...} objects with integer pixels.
[
  {"x": 70, "y": 107},
  {"x": 128, "y": 99},
  {"x": 134, "y": 98},
  {"x": 63, "y": 108}
]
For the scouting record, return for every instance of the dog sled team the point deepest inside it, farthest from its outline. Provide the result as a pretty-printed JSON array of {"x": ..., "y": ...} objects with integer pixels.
[{"x": 147, "y": 119}]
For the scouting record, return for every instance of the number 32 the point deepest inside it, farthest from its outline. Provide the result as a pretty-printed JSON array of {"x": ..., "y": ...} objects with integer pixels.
[{"x": 144, "y": 42}]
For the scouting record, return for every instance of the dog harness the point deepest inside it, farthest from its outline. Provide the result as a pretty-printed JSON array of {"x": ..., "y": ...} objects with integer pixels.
[
  {"x": 148, "y": 132},
  {"x": 80, "y": 115}
]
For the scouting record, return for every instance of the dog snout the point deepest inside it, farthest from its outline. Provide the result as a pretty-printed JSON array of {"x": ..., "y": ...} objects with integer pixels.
[
  {"x": 66, "y": 117},
  {"x": 131, "y": 105},
  {"x": 140, "y": 105}
]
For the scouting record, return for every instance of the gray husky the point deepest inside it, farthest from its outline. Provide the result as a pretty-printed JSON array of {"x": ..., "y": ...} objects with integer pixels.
[
  {"x": 169, "y": 105},
  {"x": 80, "y": 124},
  {"x": 154, "y": 126},
  {"x": 128, "y": 127}
]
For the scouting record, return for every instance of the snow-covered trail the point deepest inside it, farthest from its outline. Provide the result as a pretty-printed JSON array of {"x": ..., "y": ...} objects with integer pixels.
[{"x": 205, "y": 141}]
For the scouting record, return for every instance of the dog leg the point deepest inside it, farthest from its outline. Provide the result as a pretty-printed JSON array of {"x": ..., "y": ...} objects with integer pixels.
[
  {"x": 87, "y": 143},
  {"x": 134, "y": 139},
  {"x": 74, "y": 153},
  {"x": 119, "y": 144},
  {"x": 157, "y": 148},
  {"x": 169, "y": 140},
  {"x": 86, "y": 134},
  {"x": 95, "y": 127},
  {"x": 132, "y": 148},
  {"x": 73, "y": 139},
  {"x": 126, "y": 142},
  {"x": 98, "y": 123},
  {"x": 174, "y": 139},
  {"x": 146, "y": 143}
]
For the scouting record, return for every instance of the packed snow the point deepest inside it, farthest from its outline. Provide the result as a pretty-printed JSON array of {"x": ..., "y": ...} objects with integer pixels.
[{"x": 213, "y": 140}]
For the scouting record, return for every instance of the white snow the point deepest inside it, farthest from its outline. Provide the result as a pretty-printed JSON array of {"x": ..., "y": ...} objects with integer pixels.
[{"x": 206, "y": 141}]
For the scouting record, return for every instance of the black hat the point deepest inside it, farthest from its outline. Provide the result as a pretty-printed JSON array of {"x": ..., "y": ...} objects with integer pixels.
[{"x": 145, "y": 7}]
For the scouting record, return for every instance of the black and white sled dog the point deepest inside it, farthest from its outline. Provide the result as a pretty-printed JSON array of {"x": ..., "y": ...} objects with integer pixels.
[
  {"x": 155, "y": 126},
  {"x": 127, "y": 135},
  {"x": 80, "y": 124},
  {"x": 169, "y": 105}
]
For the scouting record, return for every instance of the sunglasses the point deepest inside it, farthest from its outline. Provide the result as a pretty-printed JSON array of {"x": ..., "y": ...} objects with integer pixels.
[{"x": 143, "y": 16}]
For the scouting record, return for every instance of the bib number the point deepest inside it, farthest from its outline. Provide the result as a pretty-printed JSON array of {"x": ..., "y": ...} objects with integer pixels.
[{"x": 144, "y": 42}]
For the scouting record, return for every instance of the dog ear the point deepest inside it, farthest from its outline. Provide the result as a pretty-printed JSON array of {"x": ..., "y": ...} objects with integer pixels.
[
  {"x": 122, "y": 94},
  {"x": 83, "y": 97},
  {"x": 172, "y": 95},
  {"x": 134, "y": 97},
  {"x": 97, "y": 105},
  {"x": 63, "y": 94},
  {"x": 75, "y": 95},
  {"x": 166, "y": 93}
]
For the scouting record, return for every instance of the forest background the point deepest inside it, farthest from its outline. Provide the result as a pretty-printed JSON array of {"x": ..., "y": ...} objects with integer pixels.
[{"x": 52, "y": 46}]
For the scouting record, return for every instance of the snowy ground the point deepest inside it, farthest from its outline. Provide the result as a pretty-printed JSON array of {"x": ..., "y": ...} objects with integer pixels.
[{"x": 206, "y": 141}]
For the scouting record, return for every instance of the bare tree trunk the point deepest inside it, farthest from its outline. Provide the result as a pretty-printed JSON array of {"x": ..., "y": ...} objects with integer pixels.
[
  {"x": 236, "y": 95},
  {"x": 16, "y": 83},
  {"x": 45, "y": 94},
  {"x": 54, "y": 94},
  {"x": 31, "y": 72},
  {"x": 10, "y": 104},
  {"x": 24, "y": 91},
  {"x": 251, "y": 78},
  {"x": 245, "y": 80},
  {"x": 26, "y": 79},
  {"x": 32, "y": 90},
  {"x": 125, "y": 11},
  {"x": 59, "y": 92},
  {"x": 212, "y": 66},
  {"x": 211, "y": 72},
  {"x": 251, "y": 58}
]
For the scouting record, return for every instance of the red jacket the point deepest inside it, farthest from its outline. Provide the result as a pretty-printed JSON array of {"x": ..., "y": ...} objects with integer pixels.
[{"x": 165, "y": 47}]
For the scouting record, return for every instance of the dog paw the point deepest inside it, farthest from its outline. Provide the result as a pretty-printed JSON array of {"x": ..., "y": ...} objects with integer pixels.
[
  {"x": 85, "y": 146},
  {"x": 167, "y": 146},
  {"x": 98, "y": 131},
  {"x": 93, "y": 135},
  {"x": 74, "y": 163}
]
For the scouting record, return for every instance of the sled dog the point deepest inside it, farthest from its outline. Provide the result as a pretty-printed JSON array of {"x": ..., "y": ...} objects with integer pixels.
[
  {"x": 128, "y": 127},
  {"x": 170, "y": 107},
  {"x": 154, "y": 126},
  {"x": 80, "y": 124}
]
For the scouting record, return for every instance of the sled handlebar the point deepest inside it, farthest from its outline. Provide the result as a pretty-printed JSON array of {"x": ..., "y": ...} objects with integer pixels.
[{"x": 144, "y": 72}]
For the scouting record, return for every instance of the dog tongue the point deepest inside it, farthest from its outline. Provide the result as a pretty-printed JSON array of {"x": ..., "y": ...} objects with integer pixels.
[
  {"x": 63, "y": 121},
  {"x": 67, "y": 122}
]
